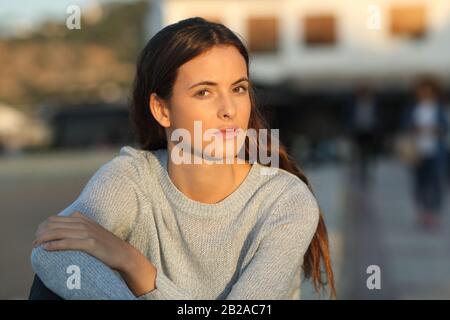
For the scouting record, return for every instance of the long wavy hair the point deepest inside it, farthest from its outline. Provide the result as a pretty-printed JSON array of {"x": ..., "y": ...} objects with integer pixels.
[{"x": 156, "y": 72}]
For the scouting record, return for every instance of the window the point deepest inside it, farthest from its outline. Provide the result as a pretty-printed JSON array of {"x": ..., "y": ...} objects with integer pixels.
[
  {"x": 408, "y": 22},
  {"x": 262, "y": 34},
  {"x": 319, "y": 30}
]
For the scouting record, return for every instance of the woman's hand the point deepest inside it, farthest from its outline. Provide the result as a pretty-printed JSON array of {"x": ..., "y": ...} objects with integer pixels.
[{"x": 77, "y": 232}]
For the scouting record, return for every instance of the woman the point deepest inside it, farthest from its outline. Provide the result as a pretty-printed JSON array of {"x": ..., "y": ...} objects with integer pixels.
[{"x": 147, "y": 227}]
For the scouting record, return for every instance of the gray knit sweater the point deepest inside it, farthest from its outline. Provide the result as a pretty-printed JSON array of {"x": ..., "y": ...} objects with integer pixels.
[{"x": 249, "y": 245}]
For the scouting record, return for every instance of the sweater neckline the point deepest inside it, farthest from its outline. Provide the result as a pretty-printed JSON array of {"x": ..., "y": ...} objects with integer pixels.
[{"x": 233, "y": 202}]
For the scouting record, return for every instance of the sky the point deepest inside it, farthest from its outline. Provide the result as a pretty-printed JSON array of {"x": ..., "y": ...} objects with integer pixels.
[{"x": 28, "y": 13}]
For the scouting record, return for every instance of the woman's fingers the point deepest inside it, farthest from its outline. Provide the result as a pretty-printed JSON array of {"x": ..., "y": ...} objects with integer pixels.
[
  {"x": 57, "y": 225},
  {"x": 71, "y": 218},
  {"x": 78, "y": 214},
  {"x": 81, "y": 216},
  {"x": 58, "y": 219},
  {"x": 60, "y": 233},
  {"x": 68, "y": 244},
  {"x": 60, "y": 225}
]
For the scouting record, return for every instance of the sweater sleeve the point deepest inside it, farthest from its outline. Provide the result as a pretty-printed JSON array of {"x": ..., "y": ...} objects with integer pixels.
[
  {"x": 286, "y": 236},
  {"x": 111, "y": 199}
]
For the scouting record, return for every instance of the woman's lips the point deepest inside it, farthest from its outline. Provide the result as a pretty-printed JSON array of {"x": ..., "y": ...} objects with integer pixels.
[{"x": 230, "y": 133}]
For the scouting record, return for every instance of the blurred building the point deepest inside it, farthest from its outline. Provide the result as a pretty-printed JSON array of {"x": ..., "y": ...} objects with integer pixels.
[
  {"x": 321, "y": 42},
  {"x": 19, "y": 131},
  {"x": 89, "y": 125}
]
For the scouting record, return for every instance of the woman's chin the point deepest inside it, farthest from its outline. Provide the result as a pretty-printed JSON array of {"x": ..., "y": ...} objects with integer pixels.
[
  {"x": 221, "y": 156},
  {"x": 227, "y": 155}
]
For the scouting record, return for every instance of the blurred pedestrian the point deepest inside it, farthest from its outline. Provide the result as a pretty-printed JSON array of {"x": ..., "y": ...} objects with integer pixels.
[
  {"x": 427, "y": 124},
  {"x": 364, "y": 131},
  {"x": 447, "y": 138}
]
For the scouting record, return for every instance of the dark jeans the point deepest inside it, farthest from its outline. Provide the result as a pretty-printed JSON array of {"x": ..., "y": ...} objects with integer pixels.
[
  {"x": 448, "y": 166},
  {"x": 39, "y": 291},
  {"x": 428, "y": 189}
]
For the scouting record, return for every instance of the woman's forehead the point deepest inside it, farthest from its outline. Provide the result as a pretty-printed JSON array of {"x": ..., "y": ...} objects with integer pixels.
[{"x": 219, "y": 65}]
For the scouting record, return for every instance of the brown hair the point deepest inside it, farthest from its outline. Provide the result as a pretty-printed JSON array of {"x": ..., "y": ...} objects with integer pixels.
[{"x": 156, "y": 72}]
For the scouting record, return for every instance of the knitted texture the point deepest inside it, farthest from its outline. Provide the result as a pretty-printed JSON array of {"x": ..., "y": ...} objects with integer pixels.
[{"x": 250, "y": 245}]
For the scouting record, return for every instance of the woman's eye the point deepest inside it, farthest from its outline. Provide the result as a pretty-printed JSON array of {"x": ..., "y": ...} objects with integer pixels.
[
  {"x": 244, "y": 89},
  {"x": 199, "y": 93}
]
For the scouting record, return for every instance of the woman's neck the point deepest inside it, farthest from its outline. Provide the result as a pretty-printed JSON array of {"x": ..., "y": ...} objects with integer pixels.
[{"x": 207, "y": 183}]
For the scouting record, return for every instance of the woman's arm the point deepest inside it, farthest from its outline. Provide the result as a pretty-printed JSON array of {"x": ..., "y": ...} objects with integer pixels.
[
  {"x": 110, "y": 199},
  {"x": 77, "y": 232},
  {"x": 97, "y": 280}
]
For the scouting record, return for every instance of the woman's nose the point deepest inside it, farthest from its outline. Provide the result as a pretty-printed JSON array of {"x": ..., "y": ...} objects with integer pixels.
[{"x": 227, "y": 107}]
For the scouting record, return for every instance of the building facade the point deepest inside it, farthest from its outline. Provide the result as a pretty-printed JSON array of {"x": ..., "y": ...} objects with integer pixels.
[{"x": 322, "y": 42}]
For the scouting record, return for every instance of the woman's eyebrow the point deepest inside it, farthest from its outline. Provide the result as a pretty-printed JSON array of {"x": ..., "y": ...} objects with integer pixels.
[{"x": 210, "y": 83}]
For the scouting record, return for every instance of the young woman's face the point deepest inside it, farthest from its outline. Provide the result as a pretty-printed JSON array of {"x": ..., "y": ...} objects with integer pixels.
[{"x": 212, "y": 88}]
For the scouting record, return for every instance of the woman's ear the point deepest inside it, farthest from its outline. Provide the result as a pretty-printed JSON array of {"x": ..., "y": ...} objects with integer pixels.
[{"x": 159, "y": 110}]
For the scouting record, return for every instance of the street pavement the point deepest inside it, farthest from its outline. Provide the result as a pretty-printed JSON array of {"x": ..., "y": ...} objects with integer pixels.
[{"x": 382, "y": 229}]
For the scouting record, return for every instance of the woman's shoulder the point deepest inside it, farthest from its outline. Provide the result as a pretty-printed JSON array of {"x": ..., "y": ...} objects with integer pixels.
[
  {"x": 130, "y": 165},
  {"x": 290, "y": 205},
  {"x": 131, "y": 152},
  {"x": 138, "y": 158},
  {"x": 291, "y": 192},
  {"x": 283, "y": 180}
]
